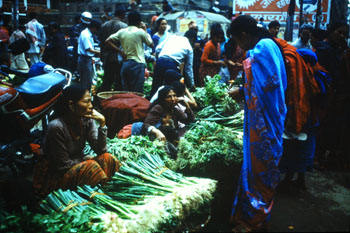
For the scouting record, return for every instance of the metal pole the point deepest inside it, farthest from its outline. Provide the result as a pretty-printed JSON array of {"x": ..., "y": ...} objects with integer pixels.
[
  {"x": 288, "y": 34},
  {"x": 15, "y": 13},
  {"x": 301, "y": 16},
  {"x": 318, "y": 14}
]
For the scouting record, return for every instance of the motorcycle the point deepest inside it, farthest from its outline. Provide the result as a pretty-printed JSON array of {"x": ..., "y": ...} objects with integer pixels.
[{"x": 21, "y": 109}]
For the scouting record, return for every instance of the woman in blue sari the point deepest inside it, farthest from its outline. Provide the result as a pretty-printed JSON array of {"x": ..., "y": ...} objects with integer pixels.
[
  {"x": 161, "y": 34},
  {"x": 265, "y": 111}
]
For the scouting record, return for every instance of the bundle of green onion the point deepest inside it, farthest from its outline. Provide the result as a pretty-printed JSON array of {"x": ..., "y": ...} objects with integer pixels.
[{"x": 142, "y": 197}]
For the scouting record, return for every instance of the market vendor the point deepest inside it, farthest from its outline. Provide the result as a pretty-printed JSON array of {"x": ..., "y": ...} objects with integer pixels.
[
  {"x": 64, "y": 165},
  {"x": 165, "y": 106}
]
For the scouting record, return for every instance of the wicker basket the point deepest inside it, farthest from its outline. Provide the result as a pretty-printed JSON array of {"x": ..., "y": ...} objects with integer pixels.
[{"x": 107, "y": 94}]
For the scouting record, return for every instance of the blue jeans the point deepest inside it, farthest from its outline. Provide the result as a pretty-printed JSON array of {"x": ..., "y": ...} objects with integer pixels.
[
  {"x": 163, "y": 64},
  {"x": 86, "y": 71},
  {"x": 133, "y": 76}
]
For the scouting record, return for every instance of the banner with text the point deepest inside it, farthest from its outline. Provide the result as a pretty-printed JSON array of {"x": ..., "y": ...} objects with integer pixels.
[{"x": 277, "y": 9}]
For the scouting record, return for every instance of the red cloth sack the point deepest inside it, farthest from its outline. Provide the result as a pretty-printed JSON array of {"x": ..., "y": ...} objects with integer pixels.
[{"x": 123, "y": 109}]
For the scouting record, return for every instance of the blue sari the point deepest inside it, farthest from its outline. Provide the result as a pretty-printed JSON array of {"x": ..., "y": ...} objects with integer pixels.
[{"x": 265, "y": 112}]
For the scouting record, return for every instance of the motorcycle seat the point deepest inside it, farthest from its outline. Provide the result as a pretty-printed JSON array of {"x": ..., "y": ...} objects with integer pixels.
[{"x": 40, "y": 89}]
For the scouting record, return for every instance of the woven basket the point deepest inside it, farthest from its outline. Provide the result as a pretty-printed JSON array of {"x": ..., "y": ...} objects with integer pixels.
[{"x": 107, "y": 94}]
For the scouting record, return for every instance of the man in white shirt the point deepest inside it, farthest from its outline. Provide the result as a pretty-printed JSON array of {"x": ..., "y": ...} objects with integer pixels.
[
  {"x": 172, "y": 52},
  {"x": 86, "y": 51},
  {"x": 303, "y": 42},
  {"x": 132, "y": 40}
]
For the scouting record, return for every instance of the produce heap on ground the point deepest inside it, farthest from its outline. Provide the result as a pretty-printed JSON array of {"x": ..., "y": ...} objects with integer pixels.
[{"x": 149, "y": 193}]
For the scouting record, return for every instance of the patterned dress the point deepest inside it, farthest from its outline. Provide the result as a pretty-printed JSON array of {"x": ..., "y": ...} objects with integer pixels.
[
  {"x": 265, "y": 111},
  {"x": 63, "y": 164}
]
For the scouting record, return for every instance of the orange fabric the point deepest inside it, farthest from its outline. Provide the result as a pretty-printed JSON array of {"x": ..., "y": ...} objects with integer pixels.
[
  {"x": 91, "y": 172},
  {"x": 123, "y": 109},
  {"x": 301, "y": 88},
  {"x": 210, "y": 54},
  {"x": 125, "y": 132}
]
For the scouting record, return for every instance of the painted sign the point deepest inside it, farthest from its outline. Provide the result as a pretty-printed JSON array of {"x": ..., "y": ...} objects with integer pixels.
[
  {"x": 277, "y": 9},
  {"x": 201, "y": 22}
]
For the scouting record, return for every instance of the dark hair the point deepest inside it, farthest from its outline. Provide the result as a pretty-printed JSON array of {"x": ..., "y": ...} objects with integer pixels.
[
  {"x": 191, "y": 35},
  {"x": 306, "y": 26},
  {"x": 73, "y": 93},
  {"x": 247, "y": 24},
  {"x": 216, "y": 30},
  {"x": 230, "y": 48},
  {"x": 158, "y": 22},
  {"x": 162, "y": 94},
  {"x": 319, "y": 34},
  {"x": 94, "y": 24},
  {"x": 274, "y": 24},
  {"x": 119, "y": 11},
  {"x": 134, "y": 18},
  {"x": 179, "y": 88},
  {"x": 32, "y": 15},
  {"x": 243, "y": 23}
]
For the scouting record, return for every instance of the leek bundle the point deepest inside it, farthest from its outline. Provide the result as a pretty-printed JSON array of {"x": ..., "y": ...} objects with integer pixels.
[{"x": 144, "y": 196}]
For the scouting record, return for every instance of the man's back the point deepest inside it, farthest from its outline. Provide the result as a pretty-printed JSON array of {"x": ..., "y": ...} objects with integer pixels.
[
  {"x": 110, "y": 27},
  {"x": 132, "y": 39},
  {"x": 176, "y": 47}
]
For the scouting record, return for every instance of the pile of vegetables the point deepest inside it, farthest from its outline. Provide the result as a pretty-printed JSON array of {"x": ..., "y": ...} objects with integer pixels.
[
  {"x": 133, "y": 148},
  {"x": 209, "y": 144},
  {"x": 215, "y": 103},
  {"x": 144, "y": 196},
  {"x": 28, "y": 221},
  {"x": 147, "y": 86},
  {"x": 98, "y": 80},
  {"x": 212, "y": 93}
]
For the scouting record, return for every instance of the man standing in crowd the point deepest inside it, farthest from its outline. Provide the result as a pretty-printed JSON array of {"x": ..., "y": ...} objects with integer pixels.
[
  {"x": 35, "y": 31},
  {"x": 132, "y": 39},
  {"x": 174, "y": 51},
  {"x": 111, "y": 64},
  {"x": 274, "y": 28},
  {"x": 303, "y": 42},
  {"x": 86, "y": 51},
  {"x": 82, "y": 22}
]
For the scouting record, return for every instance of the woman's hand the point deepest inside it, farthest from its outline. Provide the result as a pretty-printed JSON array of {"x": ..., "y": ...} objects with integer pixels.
[
  {"x": 235, "y": 93},
  {"x": 219, "y": 62},
  {"x": 159, "y": 135},
  {"x": 97, "y": 116},
  {"x": 88, "y": 157}
]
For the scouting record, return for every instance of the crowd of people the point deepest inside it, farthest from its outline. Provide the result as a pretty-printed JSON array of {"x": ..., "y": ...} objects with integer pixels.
[{"x": 295, "y": 94}]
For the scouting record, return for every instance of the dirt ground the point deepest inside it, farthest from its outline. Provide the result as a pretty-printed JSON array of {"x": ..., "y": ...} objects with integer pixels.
[{"x": 323, "y": 207}]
